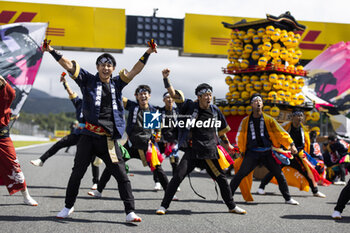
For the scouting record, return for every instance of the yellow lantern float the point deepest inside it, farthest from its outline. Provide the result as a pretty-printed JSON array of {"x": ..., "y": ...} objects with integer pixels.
[
  {"x": 315, "y": 116},
  {"x": 267, "y": 109}
]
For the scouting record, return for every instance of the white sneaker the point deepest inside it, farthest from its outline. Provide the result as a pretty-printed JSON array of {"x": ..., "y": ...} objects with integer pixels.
[
  {"x": 178, "y": 189},
  {"x": 157, "y": 187},
  {"x": 339, "y": 183},
  {"x": 238, "y": 210},
  {"x": 30, "y": 201},
  {"x": 132, "y": 217},
  {"x": 319, "y": 194},
  {"x": 37, "y": 162},
  {"x": 94, "y": 187},
  {"x": 95, "y": 194},
  {"x": 261, "y": 191},
  {"x": 336, "y": 215},
  {"x": 65, "y": 212},
  {"x": 292, "y": 202},
  {"x": 161, "y": 211}
]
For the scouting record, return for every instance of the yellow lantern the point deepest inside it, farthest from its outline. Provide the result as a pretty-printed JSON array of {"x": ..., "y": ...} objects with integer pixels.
[
  {"x": 241, "y": 86},
  {"x": 228, "y": 80},
  {"x": 277, "y": 62},
  {"x": 260, "y": 49},
  {"x": 275, "y": 111},
  {"x": 291, "y": 34},
  {"x": 249, "y": 87},
  {"x": 301, "y": 82},
  {"x": 233, "y": 35},
  {"x": 247, "y": 39},
  {"x": 232, "y": 87},
  {"x": 275, "y": 53},
  {"x": 284, "y": 54},
  {"x": 241, "y": 110},
  {"x": 288, "y": 78},
  {"x": 254, "y": 78},
  {"x": 288, "y": 96},
  {"x": 256, "y": 39},
  {"x": 252, "y": 93},
  {"x": 230, "y": 66},
  {"x": 228, "y": 96},
  {"x": 267, "y": 46},
  {"x": 267, "y": 86},
  {"x": 255, "y": 55},
  {"x": 233, "y": 110},
  {"x": 264, "y": 78},
  {"x": 270, "y": 30},
  {"x": 262, "y": 62},
  {"x": 261, "y": 31},
  {"x": 245, "y": 55},
  {"x": 245, "y": 79},
  {"x": 257, "y": 86},
  {"x": 244, "y": 64},
  {"x": 293, "y": 88},
  {"x": 273, "y": 78},
  {"x": 295, "y": 43},
  {"x": 281, "y": 77},
  {"x": 291, "y": 68},
  {"x": 280, "y": 94},
  {"x": 301, "y": 99},
  {"x": 267, "y": 109},
  {"x": 248, "y": 48},
  {"x": 275, "y": 36},
  {"x": 264, "y": 95},
  {"x": 241, "y": 34},
  {"x": 285, "y": 85},
  {"x": 221, "y": 108},
  {"x": 227, "y": 111},
  {"x": 236, "y": 95},
  {"x": 266, "y": 38},
  {"x": 231, "y": 51},
  {"x": 239, "y": 50},
  {"x": 294, "y": 99},
  {"x": 297, "y": 36},
  {"x": 248, "y": 110},
  {"x": 267, "y": 54},
  {"x": 287, "y": 42},
  {"x": 299, "y": 53},
  {"x": 300, "y": 68},
  {"x": 277, "y": 85},
  {"x": 245, "y": 95},
  {"x": 251, "y": 32},
  {"x": 236, "y": 79},
  {"x": 272, "y": 95},
  {"x": 284, "y": 37}
]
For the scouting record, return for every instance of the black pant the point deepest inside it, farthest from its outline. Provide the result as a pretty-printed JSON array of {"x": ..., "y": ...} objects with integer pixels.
[
  {"x": 87, "y": 147},
  {"x": 186, "y": 166},
  {"x": 295, "y": 163},
  {"x": 66, "y": 141},
  {"x": 174, "y": 162},
  {"x": 343, "y": 198},
  {"x": 253, "y": 159},
  {"x": 134, "y": 153}
]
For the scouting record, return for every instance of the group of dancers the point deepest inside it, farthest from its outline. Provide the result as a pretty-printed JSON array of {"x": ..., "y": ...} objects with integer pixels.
[{"x": 100, "y": 114}]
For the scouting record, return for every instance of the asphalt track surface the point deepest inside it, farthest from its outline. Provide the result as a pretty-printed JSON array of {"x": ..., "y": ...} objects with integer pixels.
[{"x": 267, "y": 213}]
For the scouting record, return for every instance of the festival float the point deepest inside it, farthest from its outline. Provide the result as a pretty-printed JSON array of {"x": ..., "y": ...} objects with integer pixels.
[{"x": 264, "y": 57}]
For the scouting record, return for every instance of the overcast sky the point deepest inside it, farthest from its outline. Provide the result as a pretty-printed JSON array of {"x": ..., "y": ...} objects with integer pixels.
[{"x": 186, "y": 72}]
